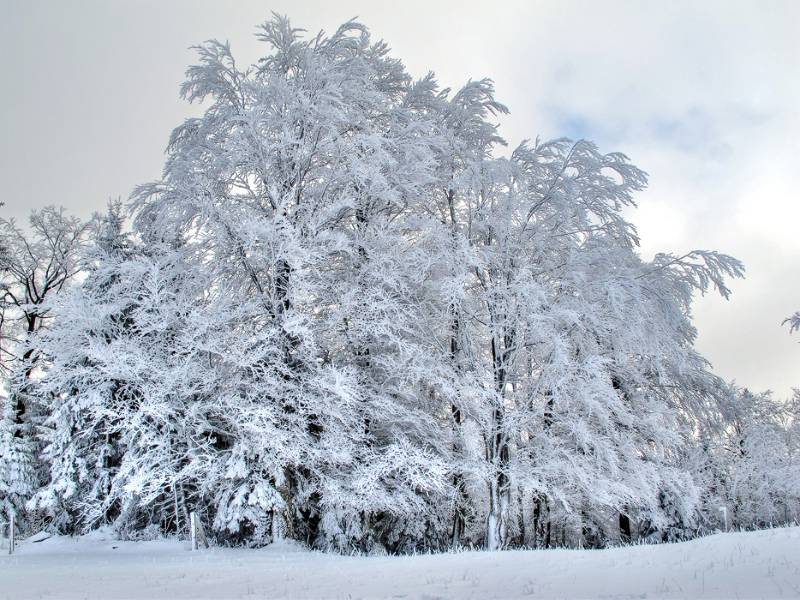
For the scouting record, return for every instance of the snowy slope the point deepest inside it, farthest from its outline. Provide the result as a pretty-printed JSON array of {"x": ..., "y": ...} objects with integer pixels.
[{"x": 762, "y": 564}]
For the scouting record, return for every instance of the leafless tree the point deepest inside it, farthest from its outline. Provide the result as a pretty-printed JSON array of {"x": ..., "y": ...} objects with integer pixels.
[{"x": 35, "y": 264}]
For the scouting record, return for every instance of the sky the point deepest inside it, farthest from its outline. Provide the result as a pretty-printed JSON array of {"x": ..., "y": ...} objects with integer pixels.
[{"x": 704, "y": 96}]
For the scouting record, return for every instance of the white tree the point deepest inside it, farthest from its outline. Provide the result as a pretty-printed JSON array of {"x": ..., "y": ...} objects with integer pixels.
[
  {"x": 553, "y": 255},
  {"x": 295, "y": 166},
  {"x": 80, "y": 438},
  {"x": 340, "y": 318},
  {"x": 759, "y": 459},
  {"x": 35, "y": 265},
  {"x": 465, "y": 141}
]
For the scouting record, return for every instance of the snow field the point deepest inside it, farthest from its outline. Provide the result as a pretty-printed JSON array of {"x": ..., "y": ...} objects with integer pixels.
[{"x": 760, "y": 564}]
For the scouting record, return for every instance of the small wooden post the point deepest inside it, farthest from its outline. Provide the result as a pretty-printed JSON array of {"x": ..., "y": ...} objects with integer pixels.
[
  {"x": 11, "y": 533},
  {"x": 193, "y": 528}
]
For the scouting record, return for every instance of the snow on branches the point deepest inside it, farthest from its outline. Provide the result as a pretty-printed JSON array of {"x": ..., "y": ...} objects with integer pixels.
[
  {"x": 341, "y": 317},
  {"x": 794, "y": 322}
]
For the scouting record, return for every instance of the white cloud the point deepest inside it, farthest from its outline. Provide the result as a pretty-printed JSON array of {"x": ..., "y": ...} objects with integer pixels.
[{"x": 704, "y": 97}]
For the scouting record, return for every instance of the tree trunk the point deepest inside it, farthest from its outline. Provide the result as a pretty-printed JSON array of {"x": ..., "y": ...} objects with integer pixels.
[
  {"x": 282, "y": 517},
  {"x": 624, "y": 528},
  {"x": 541, "y": 522},
  {"x": 499, "y": 489},
  {"x": 282, "y": 524},
  {"x": 29, "y": 359},
  {"x": 497, "y": 448},
  {"x": 457, "y": 531}
]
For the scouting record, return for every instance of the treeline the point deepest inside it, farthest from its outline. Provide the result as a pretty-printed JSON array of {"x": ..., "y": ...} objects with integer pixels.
[{"x": 345, "y": 316}]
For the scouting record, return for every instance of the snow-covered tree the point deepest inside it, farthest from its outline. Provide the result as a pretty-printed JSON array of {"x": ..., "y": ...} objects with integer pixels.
[
  {"x": 297, "y": 168},
  {"x": 35, "y": 265},
  {"x": 341, "y": 317},
  {"x": 17, "y": 464},
  {"x": 81, "y": 447},
  {"x": 758, "y": 459}
]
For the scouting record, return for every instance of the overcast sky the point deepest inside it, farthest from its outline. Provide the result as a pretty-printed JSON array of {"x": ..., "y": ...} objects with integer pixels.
[{"x": 705, "y": 96}]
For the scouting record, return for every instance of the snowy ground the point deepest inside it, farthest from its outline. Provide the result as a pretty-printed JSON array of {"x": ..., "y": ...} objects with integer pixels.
[{"x": 762, "y": 564}]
